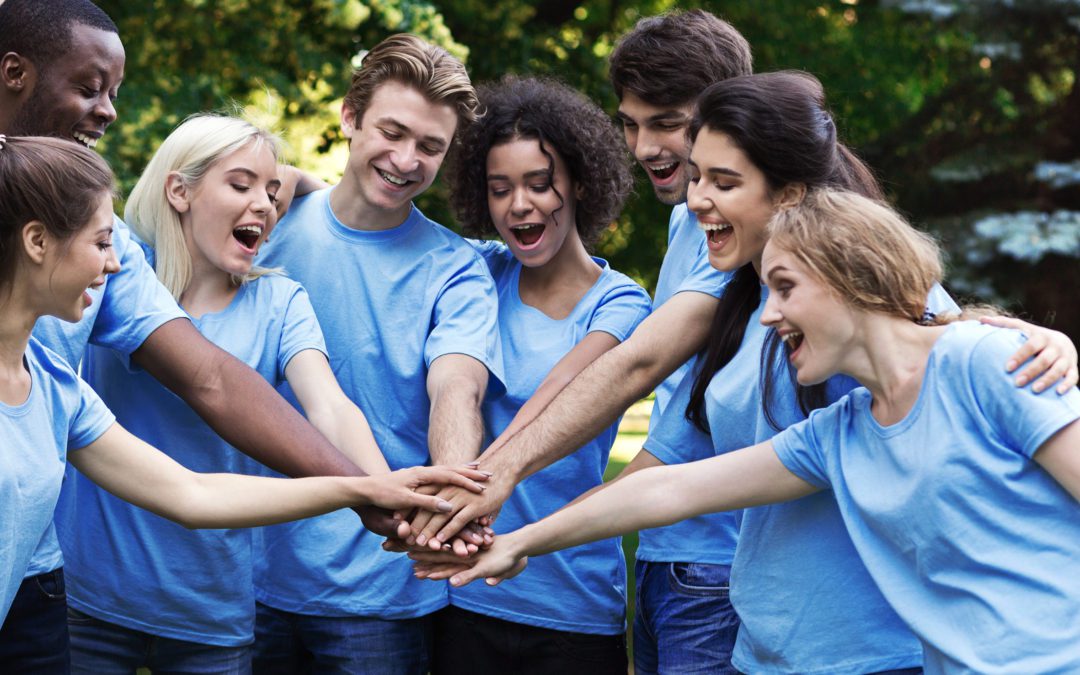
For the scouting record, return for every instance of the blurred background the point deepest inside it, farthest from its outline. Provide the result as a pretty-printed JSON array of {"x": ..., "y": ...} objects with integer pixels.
[{"x": 968, "y": 110}]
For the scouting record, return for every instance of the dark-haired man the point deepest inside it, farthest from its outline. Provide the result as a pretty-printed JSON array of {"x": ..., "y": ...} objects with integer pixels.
[{"x": 61, "y": 65}]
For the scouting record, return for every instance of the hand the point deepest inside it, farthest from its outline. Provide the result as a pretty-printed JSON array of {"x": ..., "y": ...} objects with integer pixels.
[
  {"x": 1052, "y": 356},
  {"x": 435, "y": 529},
  {"x": 382, "y": 522},
  {"x": 494, "y": 565},
  {"x": 289, "y": 177},
  {"x": 459, "y": 547},
  {"x": 398, "y": 490}
]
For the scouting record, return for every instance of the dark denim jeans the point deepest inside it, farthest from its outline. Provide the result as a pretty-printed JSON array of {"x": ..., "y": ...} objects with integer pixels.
[
  {"x": 468, "y": 643},
  {"x": 684, "y": 621},
  {"x": 100, "y": 647},
  {"x": 34, "y": 637},
  {"x": 355, "y": 645}
]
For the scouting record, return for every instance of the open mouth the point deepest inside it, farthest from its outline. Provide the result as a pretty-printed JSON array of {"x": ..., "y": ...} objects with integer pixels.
[
  {"x": 663, "y": 171},
  {"x": 792, "y": 342},
  {"x": 717, "y": 233},
  {"x": 88, "y": 141},
  {"x": 527, "y": 235},
  {"x": 248, "y": 236},
  {"x": 396, "y": 181}
]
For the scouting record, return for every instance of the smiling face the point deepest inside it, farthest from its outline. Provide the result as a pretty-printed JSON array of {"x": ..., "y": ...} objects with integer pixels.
[
  {"x": 656, "y": 136},
  {"x": 817, "y": 327},
  {"x": 72, "y": 97},
  {"x": 77, "y": 264},
  {"x": 731, "y": 199},
  {"x": 531, "y": 200},
  {"x": 395, "y": 150},
  {"x": 230, "y": 212}
]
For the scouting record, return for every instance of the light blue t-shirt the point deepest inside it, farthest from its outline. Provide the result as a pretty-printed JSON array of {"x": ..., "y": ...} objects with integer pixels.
[
  {"x": 130, "y": 306},
  {"x": 389, "y": 302},
  {"x": 582, "y": 589},
  {"x": 139, "y": 570},
  {"x": 709, "y": 538},
  {"x": 973, "y": 543},
  {"x": 61, "y": 413},
  {"x": 804, "y": 598}
]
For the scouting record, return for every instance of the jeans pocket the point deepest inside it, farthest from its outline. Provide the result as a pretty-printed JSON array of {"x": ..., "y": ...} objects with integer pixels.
[
  {"x": 51, "y": 585},
  {"x": 77, "y": 618},
  {"x": 700, "y": 579}
]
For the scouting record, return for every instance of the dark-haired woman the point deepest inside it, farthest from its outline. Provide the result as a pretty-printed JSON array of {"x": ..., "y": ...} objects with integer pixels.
[{"x": 546, "y": 172}]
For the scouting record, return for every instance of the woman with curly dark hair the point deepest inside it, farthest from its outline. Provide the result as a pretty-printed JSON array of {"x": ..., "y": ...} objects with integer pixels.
[{"x": 547, "y": 172}]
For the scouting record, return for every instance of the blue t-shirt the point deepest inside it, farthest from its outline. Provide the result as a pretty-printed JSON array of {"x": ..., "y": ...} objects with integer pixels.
[
  {"x": 139, "y": 570},
  {"x": 973, "y": 543},
  {"x": 709, "y": 538},
  {"x": 804, "y": 598},
  {"x": 581, "y": 589},
  {"x": 389, "y": 302},
  {"x": 61, "y": 412}
]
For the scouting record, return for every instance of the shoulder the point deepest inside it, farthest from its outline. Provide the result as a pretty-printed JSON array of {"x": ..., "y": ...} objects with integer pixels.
[
  {"x": 972, "y": 344},
  {"x": 45, "y": 360},
  {"x": 304, "y": 209},
  {"x": 496, "y": 254},
  {"x": 615, "y": 284}
]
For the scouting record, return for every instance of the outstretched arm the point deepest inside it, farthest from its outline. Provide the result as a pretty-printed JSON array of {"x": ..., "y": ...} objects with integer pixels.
[
  {"x": 139, "y": 473},
  {"x": 648, "y": 498},
  {"x": 244, "y": 409},
  {"x": 590, "y": 403},
  {"x": 1050, "y": 356}
]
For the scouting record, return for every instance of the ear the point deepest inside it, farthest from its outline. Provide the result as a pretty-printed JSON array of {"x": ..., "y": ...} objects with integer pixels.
[
  {"x": 790, "y": 195},
  {"x": 579, "y": 191},
  {"x": 349, "y": 122},
  {"x": 176, "y": 191},
  {"x": 36, "y": 241},
  {"x": 16, "y": 72}
]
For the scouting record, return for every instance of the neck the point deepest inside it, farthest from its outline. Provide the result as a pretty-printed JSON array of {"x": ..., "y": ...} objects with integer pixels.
[
  {"x": 210, "y": 289},
  {"x": 889, "y": 358},
  {"x": 556, "y": 286},
  {"x": 355, "y": 212},
  {"x": 17, "y": 319}
]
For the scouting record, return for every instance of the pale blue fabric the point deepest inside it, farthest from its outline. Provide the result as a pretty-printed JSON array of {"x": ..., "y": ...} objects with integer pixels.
[
  {"x": 61, "y": 413},
  {"x": 137, "y": 570},
  {"x": 806, "y": 601},
  {"x": 582, "y": 589},
  {"x": 709, "y": 538},
  {"x": 972, "y": 542},
  {"x": 389, "y": 303}
]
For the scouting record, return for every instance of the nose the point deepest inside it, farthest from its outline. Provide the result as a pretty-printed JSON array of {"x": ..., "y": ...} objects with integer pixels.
[
  {"x": 521, "y": 204},
  {"x": 112, "y": 263},
  {"x": 647, "y": 145},
  {"x": 770, "y": 314},
  {"x": 696, "y": 199},
  {"x": 405, "y": 159},
  {"x": 105, "y": 109}
]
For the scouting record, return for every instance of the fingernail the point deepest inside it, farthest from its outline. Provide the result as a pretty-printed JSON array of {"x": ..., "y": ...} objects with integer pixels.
[
  {"x": 445, "y": 506},
  {"x": 1010, "y": 366},
  {"x": 489, "y": 474},
  {"x": 420, "y": 541},
  {"x": 472, "y": 464},
  {"x": 446, "y": 547},
  {"x": 488, "y": 530},
  {"x": 454, "y": 581},
  {"x": 1021, "y": 381}
]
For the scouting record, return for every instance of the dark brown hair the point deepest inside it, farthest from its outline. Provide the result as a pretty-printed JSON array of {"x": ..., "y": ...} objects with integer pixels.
[
  {"x": 57, "y": 182},
  {"x": 779, "y": 120},
  {"x": 40, "y": 30},
  {"x": 668, "y": 60},
  {"x": 563, "y": 121}
]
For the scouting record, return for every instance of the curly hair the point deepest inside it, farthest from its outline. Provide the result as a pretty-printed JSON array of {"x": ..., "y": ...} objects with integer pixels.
[{"x": 564, "y": 122}]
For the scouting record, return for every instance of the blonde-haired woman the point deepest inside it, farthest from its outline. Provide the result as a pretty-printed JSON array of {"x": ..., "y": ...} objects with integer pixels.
[
  {"x": 203, "y": 206},
  {"x": 959, "y": 490}
]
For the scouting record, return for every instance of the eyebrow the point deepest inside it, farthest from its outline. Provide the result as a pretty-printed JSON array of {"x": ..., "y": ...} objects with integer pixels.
[
  {"x": 667, "y": 115},
  {"x": 251, "y": 174},
  {"x": 720, "y": 170},
  {"x": 437, "y": 140},
  {"x": 774, "y": 270},
  {"x": 529, "y": 174}
]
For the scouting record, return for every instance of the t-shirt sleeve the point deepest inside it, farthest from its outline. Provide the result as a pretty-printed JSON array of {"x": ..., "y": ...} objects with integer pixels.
[
  {"x": 675, "y": 439},
  {"x": 620, "y": 310},
  {"x": 800, "y": 449},
  {"x": 703, "y": 277},
  {"x": 134, "y": 304},
  {"x": 90, "y": 418},
  {"x": 1023, "y": 419},
  {"x": 466, "y": 320},
  {"x": 940, "y": 302},
  {"x": 300, "y": 331}
]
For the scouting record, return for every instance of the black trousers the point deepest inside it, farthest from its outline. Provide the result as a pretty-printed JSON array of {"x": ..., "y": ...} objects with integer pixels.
[
  {"x": 467, "y": 643},
  {"x": 34, "y": 637}
]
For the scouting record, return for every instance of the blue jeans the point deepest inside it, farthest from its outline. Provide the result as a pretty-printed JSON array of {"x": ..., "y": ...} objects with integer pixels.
[
  {"x": 684, "y": 621},
  {"x": 327, "y": 645},
  {"x": 34, "y": 636},
  {"x": 102, "y": 648}
]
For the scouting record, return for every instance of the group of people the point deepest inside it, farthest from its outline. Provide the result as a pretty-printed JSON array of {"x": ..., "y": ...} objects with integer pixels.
[{"x": 857, "y": 481}]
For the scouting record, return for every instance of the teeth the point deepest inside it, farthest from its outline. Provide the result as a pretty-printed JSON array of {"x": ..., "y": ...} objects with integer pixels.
[
  {"x": 662, "y": 167},
  {"x": 391, "y": 178},
  {"x": 84, "y": 139},
  {"x": 790, "y": 337},
  {"x": 709, "y": 227},
  {"x": 526, "y": 226},
  {"x": 254, "y": 229}
]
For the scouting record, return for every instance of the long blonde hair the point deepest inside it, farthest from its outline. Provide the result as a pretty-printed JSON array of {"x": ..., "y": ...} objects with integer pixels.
[
  {"x": 862, "y": 249},
  {"x": 190, "y": 150}
]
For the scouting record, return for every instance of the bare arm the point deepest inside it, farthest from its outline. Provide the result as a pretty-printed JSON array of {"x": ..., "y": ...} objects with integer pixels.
[
  {"x": 1060, "y": 456},
  {"x": 648, "y": 498},
  {"x": 139, "y": 473},
  {"x": 332, "y": 412},
  {"x": 456, "y": 384},
  {"x": 592, "y": 401}
]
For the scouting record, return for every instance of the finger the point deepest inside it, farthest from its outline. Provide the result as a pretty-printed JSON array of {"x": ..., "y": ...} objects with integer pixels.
[
  {"x": 429, "y": 475},
  {"x": 435, "y": 525},
  {"x": 1003, "y": 322},
  {"x": 433, "y": 504},
  {"x": 403, "y": 530},
  {"x": 466, "y": 576},
  {"x": 459, "y": 547},
  {"x": 426, "y": 555},
  {"x": 1030, "y": 348},
  {"x": 1072, "y": 376},
  {"x": 418, "y": 524},
  {"x": 440, "y": 572},
  {"x": 1036, "y": 366},
  {"x": 460, "y": 520},
  {"x": 1052, "y": 375},
  {"x": 394, "y": 546}
]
